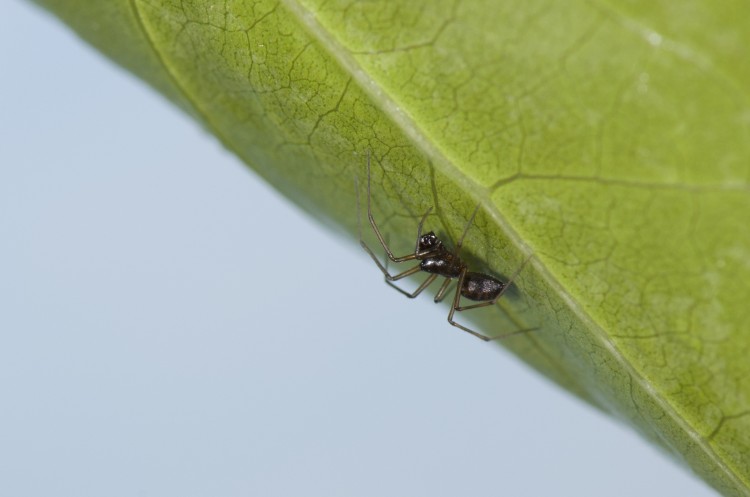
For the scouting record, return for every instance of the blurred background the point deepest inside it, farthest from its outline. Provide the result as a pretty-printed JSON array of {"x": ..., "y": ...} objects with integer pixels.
[{"x": 158, "y": 336}]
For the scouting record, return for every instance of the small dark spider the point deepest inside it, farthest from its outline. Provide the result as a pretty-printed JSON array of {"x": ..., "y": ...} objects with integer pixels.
[{"x": 438, "y": 260}]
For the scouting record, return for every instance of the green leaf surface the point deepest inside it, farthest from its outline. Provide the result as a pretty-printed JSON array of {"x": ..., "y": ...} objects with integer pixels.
[{"x": 611, "y": 140}]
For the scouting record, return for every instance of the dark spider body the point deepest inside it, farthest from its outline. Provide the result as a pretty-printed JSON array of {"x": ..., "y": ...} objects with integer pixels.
[
  {"x": 479, "y": 286},
  {"x": 439, "y": 261}
]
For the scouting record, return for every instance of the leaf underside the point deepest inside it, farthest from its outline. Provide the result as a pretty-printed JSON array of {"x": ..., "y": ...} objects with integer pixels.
[{"x": 611, "y": 140}]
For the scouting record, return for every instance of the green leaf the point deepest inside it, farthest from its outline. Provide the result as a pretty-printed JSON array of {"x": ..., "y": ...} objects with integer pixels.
[{"x": 611, "y": 140}]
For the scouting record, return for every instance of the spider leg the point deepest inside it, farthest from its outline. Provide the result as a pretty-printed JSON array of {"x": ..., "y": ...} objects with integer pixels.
[
  {"x": 419, "y": 235},
  {"x": 390, "y": 279},
  {"x": 456, "y": 307},
  {"x": 440, "y": 295},
  {"x": 466, "y": 229},
  {"x": 375, "y": 228},
  {"x": 404, "y": 274},
  {"x": 380, "y": 264},
  {"x": 481, "y": 304},
  {"x": 427, "y": 282},
  {"x": 362, "y": 242}
]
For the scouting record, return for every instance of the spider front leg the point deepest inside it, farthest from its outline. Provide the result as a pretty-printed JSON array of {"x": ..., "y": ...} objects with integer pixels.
[
  {"x": 417, "y": 253},
  {"x": 380, "y": 265},
  {"x": 390, "y": 280},
  {"x": 427, "y": 282},
  {"x": 374, "y": 225},
  {"x": 375, "y": 228}
]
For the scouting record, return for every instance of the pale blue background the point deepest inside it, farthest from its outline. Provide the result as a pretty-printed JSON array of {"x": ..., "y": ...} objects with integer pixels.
[{"x": 152, "y": 344}]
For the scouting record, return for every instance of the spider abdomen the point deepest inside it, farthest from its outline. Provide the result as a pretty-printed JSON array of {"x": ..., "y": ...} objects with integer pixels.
[{"x": 478, "y": 286}]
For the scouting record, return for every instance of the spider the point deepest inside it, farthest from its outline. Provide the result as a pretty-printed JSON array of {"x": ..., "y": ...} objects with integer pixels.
[{"x": 438, "y": 260}]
